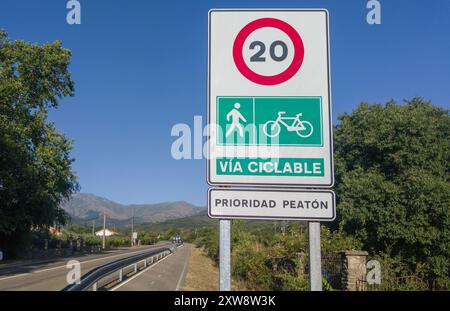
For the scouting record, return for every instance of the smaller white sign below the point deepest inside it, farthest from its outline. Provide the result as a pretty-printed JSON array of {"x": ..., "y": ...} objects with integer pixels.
[
  {"x": 269, "y": 204},
  {"x": 135, "y": 235}
]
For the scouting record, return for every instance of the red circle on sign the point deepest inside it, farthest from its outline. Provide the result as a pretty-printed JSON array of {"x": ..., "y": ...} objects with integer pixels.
[{"x": 299, "y": 51}]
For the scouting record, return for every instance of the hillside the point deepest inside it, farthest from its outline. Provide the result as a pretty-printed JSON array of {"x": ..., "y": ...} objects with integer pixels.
[
  {"x": 198, "y": 221},
  {"x": 84, "y": 208},
  {"x": 201, "y": 221}
]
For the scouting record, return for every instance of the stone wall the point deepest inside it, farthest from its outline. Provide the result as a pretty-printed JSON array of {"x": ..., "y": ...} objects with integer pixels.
[{"x": 353, "y": 269}]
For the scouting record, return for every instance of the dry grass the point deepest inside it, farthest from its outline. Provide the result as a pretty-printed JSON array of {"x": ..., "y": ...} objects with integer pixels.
[{"x": 203, "y": 274}]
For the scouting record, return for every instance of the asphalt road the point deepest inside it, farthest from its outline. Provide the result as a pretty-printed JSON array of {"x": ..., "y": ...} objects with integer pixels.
[
  {"x": 166, "y": 275},
  {"x": 50, "y": 275}
]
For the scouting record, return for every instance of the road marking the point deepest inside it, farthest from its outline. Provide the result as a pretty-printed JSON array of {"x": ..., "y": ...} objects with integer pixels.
[
  {"x": 14, "y": 276},
  {"x": 64, "y": 266},
  {"x": 138, "y": 274},
  {"x": 182, "y": 272}
]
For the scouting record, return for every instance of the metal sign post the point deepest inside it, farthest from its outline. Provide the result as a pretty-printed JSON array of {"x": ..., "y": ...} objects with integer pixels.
[
  {"x": 225, "y": 255},
  {"x": 269, "y": 123},
  {"x": 315, "y": 260}
]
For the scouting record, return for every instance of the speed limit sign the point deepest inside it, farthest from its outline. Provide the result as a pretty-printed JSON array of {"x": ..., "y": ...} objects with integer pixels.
[
  {"x": 269, "y": 106},
  {"x": 296, "y": 50}
]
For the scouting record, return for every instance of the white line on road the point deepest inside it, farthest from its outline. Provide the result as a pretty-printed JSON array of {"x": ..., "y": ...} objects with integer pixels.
[
  {"x": 15, "y": 276},
  {"x": 64, "y": 266},
  {"x": 138, "y": 274},
  {"x": 182, "y": 273}
]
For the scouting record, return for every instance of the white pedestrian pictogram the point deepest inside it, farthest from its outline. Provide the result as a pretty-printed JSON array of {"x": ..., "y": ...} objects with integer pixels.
[{"x": 236, "y": 118}]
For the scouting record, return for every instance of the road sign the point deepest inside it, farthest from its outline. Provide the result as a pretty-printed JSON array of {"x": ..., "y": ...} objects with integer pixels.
[
  {"x": 269, "y": 98},
  {"x": 270, "y": 204}
]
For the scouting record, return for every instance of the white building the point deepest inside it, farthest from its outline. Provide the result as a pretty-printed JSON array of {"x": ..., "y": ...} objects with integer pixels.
[{"x": 107, "y": 232}]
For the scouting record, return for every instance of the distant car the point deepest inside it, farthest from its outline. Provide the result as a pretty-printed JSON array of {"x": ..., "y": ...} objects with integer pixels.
[{"x": 177, "y": 240}]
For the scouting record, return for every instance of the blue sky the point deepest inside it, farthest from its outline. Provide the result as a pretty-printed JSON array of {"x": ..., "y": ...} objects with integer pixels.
[{"x": 140, "y": 67}]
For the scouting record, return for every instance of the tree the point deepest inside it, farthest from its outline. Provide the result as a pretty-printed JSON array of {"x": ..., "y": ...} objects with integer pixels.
[
  {"x": 35, "y": 164},
  {"x": 393, "y": 183}
]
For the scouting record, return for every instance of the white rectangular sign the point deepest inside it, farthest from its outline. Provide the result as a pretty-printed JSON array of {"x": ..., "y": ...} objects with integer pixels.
[
  {"x": 265, "y": 204},
  {"x": 269, "y": 98}
]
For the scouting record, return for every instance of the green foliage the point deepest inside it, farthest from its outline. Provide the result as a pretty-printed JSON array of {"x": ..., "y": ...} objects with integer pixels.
[
  {"x": 396, "y": 276},
  {"x": 121, "y": 239},
  {"x": 117, "y": 241},
  {"x": 209, "y": 238},
  {"x": 78, "y": 229},
  {"x": 336, "y": 241},
  {"x": 265, "y": 258},
  {"x": 35, "y": 165},
  {"x": 393, "y": 183},
  {"x": 111, "y": 242},
  {"x": 148, "y": 238},
  {"x": 91, "y": 240},
  {"x": 181, "y": 224}
]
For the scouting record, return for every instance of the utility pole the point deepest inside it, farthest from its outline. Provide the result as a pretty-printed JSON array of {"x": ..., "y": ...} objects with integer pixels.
[
  {"x": 93, "y": 227},
  {"x": 132, "y": 229},
  {"x": 104, "y": 230}
]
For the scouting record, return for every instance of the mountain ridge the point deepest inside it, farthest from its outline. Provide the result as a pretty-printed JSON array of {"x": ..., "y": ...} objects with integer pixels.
[{"x": 88, "y": 207}]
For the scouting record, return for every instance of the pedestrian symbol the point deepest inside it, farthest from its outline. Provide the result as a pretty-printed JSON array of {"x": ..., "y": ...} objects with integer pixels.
[{"x": 236, "y": 118}]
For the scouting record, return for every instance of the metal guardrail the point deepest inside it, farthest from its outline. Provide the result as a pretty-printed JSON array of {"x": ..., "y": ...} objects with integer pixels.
[{"x": 91, "y": 278}]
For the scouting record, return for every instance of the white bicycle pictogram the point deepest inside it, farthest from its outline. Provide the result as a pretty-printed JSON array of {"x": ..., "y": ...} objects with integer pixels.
[{"x": 303, "y": 129}]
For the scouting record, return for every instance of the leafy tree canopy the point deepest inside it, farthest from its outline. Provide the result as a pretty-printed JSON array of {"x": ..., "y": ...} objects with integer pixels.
[
  {"x": 393, "y": 183},
  {"x": 35, "y": 164}
]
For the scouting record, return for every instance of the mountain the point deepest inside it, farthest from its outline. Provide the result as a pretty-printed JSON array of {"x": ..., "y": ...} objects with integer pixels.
[
  {"x": 201, "y": 221},
  {"x": 85, "y": 208},
  {"x": 198, "y": 221}
]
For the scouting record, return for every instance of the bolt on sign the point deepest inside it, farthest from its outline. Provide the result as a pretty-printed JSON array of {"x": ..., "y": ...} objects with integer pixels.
[{"x": 269, "y": 98}]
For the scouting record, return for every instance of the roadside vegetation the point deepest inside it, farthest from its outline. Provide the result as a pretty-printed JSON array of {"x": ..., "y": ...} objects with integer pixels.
[
  {"x": 393, "y": 188},
  {"x": 203, "y": 273},
  {"x": 35, "y": 163},
  {"x": 274, "y": 258},
  {"x": 122, "y": 237}
]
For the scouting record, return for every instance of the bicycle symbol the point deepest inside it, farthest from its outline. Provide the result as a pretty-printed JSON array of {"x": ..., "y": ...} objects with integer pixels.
[{"x": 303, "y": 129}]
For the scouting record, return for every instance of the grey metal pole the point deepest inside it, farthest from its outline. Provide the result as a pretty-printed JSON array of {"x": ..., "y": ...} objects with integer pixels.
[
  {"x": 225, "y": 255},
  {"x": 132, "y": 229},
  {"x": 315, "y": 264},
  {"x": 104, "y": 229}
]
